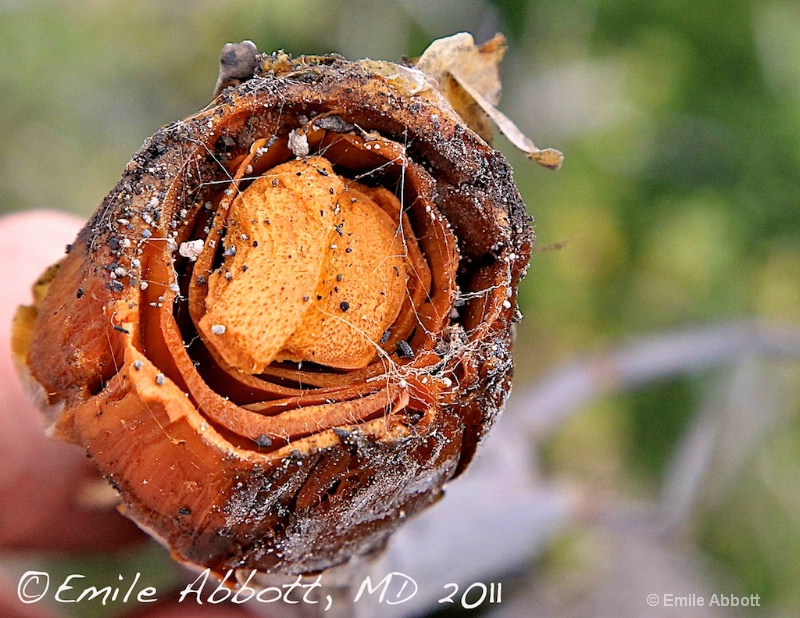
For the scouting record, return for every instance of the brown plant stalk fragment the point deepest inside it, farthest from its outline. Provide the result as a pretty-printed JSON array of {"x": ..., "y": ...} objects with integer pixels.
[{"x": 289, "y": 324}]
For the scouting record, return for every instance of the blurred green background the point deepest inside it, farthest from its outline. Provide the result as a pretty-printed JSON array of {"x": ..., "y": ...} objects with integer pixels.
[{"x": 678, "y": 203}]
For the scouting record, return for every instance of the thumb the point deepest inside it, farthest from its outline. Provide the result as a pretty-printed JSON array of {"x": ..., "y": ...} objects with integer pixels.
[{"x": 44, "y": 483}]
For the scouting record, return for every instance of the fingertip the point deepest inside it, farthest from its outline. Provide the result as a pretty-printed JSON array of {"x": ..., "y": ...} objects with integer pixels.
[{"x": 41, "y": 479}]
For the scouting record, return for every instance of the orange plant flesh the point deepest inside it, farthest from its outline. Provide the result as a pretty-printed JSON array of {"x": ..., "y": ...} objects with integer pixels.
[
  {"x": 200, "y": 393},
  {"x": 319, "y": 268}
]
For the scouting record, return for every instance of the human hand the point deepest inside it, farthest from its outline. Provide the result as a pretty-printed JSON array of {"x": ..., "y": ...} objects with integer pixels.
[{"x": 48, "y": 489}]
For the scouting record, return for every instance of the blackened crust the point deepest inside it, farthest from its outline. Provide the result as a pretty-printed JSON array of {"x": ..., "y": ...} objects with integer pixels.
[{"x": 345, "y": 491}]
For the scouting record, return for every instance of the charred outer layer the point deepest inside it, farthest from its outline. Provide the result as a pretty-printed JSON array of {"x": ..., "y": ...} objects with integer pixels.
[{"x": 308, "y": 510}]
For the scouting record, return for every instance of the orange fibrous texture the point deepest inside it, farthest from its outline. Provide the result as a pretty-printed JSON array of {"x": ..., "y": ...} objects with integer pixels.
[
  {"x": 319, "y": 270},
  {"x": 289, "y": 324}
]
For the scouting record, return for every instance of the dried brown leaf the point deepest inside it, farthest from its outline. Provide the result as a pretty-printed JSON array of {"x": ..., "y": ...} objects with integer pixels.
[{"x": 468, "y": 76}]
